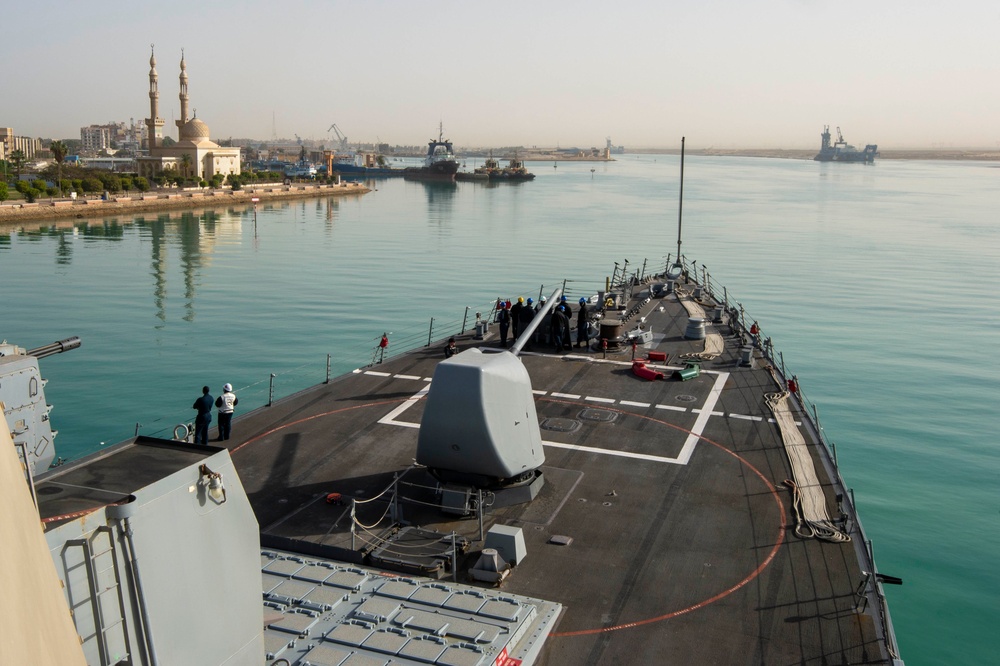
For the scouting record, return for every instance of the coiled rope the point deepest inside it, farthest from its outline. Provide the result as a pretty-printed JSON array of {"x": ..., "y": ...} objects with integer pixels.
[
  {"x": 714, "y": 344},
  {"x": 808, "y": 501}
]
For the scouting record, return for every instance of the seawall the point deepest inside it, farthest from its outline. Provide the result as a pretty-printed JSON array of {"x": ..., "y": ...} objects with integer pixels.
[{"x": 16, "y": 213}]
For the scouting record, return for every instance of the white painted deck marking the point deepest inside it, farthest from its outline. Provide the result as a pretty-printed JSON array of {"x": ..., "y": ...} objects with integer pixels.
[
  {"x": 633, "y": 404},
  {"x": 390, "y": 418},
  {"x": 539, "y": 392},
  {"x": 407, "y": 377},
  {"x": 699, "y": 411},
  {"x": 611, "y": 452},
  {"x": 377, "y": 374},
  {"x": 702, "y": 420},
  {"x": 704, "y": 413},
  {"x": 745, "y": 417}
]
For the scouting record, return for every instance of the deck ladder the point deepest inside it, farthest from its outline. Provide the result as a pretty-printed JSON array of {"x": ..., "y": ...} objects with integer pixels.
[{"x": 108, "y": 617}]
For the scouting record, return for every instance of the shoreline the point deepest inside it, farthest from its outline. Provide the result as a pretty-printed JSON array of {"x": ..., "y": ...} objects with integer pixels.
[
  {"x": 17, "y": 213},
  {"x": 808, "y": 154}
]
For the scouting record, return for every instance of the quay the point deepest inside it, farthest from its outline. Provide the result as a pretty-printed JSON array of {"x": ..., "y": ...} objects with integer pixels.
[{"x": 63, "y": 208}]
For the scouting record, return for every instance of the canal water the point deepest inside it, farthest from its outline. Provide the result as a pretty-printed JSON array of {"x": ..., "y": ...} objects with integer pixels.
[{"x": 879, "y": 284}]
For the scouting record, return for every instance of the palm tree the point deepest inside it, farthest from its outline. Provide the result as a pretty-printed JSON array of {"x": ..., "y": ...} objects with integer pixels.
[
  {"x": 58, "y": 149},
  {"x": 186, "y": 163},
  {"x": 18, "y": 158}
]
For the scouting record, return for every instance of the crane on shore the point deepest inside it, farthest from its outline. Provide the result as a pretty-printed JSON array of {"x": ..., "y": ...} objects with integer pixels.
[{"x": 340, "y": 136}]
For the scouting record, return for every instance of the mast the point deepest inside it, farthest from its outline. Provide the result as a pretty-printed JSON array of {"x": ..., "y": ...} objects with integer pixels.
[{"x": 680, "y": 207}]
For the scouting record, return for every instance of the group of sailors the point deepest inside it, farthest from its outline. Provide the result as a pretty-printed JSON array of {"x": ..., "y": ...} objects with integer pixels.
[{"x": 553, "y": 330}]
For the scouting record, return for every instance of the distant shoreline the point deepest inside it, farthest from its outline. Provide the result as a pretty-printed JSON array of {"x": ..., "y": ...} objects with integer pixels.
[
  {"x": 915, "y": 154},
  {"x": 165, "y": 200}
]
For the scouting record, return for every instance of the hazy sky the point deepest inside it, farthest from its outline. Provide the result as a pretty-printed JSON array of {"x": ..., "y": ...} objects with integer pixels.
[{"x": 725, "y": 74}]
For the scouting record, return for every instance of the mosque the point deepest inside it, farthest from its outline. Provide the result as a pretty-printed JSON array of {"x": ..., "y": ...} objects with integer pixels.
[{"x": 194, "y": 155}]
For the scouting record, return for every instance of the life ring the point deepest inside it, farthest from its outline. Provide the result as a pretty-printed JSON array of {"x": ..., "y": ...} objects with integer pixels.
[{"x": 181, "y": 433}]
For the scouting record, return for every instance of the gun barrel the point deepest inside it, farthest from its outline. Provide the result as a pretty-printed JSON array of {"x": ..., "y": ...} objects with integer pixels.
[{"x": 55, "y": 347}]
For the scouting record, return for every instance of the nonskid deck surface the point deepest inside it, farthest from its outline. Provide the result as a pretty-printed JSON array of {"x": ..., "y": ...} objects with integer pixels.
[{"x": 681, "y": 547}]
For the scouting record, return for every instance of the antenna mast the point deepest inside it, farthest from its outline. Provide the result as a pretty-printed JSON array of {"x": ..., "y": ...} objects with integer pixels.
[{"x": 680, "y": 207}]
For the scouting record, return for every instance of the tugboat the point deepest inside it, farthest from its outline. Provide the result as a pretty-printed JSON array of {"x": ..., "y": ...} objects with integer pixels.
[
  {"x": 841, "y": 151},
  {"x": 491, "y": 168},
  {"x": 516, "y": 170},
  {"x": 440, "y": 162}
]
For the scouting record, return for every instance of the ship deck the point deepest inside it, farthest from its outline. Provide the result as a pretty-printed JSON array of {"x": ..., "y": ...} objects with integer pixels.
[{"x": 663, "y": 525}]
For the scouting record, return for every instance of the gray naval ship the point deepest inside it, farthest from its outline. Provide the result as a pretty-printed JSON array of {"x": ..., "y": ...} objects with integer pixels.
[
  {"x": 661, "y": 494},
  {"x": 841, "y": 151}
]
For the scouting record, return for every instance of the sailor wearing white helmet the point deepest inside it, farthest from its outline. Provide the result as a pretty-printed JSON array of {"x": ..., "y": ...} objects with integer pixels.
[{"x": 226, "y": 403}]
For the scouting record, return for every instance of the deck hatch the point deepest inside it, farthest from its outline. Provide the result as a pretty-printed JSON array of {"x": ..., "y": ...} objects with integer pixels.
[
  {"x": 327, "y": 655},
  {"x": 559, "y": 425},
  {"x": 424, "y": 648},
  {"x": 351, "y": 632},
  {"x": 390, "y": 640},
  {"x": 598, "y": 415}
]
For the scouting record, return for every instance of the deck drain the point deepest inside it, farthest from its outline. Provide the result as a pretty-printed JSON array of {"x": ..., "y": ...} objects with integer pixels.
[
  {"x": 606, "y": 504},
  {"x": 559, "y": 425},
  {"x": 598, "y": 415},
  {"x": 686, "y": 398}
]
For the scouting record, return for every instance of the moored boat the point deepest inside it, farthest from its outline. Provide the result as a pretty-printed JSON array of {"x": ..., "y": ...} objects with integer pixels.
[{"x": 439, "y": 162}]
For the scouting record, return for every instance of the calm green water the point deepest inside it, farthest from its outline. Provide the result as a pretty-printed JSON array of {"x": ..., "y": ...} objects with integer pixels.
[{"x": 879, "y": 284}]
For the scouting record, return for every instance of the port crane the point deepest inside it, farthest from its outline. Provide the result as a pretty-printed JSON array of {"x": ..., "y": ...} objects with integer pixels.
[{"x": 340, "y": 136}]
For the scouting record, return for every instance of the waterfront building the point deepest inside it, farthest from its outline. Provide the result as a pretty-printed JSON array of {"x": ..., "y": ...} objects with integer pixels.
[
  {"x": 26, "y": 144},
  {"x": 194, "y": 155}
]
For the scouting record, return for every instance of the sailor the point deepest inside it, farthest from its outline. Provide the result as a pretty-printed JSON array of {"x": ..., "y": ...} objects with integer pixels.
[
  {"x": 451, "y": 349},
  {"x": 527, "y": 314},
  {"x": 503, "y": 320},
  {"x": 560, "y": 330},
  {"x": 515, "y": 315},
  {"x": 542, "y": 331},
  {"x": 204, "y": 418},
  {"x": 582, "y": 321},
  {"x": 226, "y": 403}
]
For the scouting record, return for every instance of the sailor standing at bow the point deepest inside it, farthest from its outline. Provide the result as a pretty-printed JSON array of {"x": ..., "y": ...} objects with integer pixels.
[{"x": 226, "y": 403}]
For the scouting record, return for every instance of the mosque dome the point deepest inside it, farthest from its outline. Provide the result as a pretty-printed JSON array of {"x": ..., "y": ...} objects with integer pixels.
[{"x": 194, "y": 129}]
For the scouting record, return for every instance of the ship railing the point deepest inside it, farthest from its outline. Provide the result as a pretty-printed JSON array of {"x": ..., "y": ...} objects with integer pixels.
[{"x": 738, "y": 321}]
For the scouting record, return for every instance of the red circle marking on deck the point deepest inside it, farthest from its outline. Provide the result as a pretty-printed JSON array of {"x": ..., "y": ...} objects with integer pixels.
[
  {"x": 314, "y": 416},
  {"x": 701, "y": 604},
  {"x": 628, "y": 625}
]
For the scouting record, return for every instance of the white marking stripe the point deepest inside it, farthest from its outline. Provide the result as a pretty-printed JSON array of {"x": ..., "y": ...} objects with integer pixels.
[
  {"x": 745, "y": 417},
  {"x": 606, "y": 400},
  {"x": 539, "y": 392},
  {"x": 610, "y": 452},
  {"x": 565, "y": 395},
  {"x": 706, "y": 413},
  {"x": 672, "y": 408},
  {"x": 377, "y": 374},
  {"x": 699, "y": 411},
  {"x": 406, "y": 377},
  {"x": 633, "y": 404},
  {"x": 390, "y": 418}
]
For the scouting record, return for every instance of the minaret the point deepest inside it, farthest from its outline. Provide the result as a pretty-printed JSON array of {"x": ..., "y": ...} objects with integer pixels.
[
  {"x": 154, "y": 123},
  {"x": 184, "y": 93}
]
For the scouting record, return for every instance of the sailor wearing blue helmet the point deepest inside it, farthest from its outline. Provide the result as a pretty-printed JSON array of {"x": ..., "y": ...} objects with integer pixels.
[{"x": 582, "y": 325}]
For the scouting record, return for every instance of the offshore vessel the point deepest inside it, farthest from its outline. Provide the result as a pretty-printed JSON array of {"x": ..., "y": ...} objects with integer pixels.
[
  {"x": 439, "y": 162},
  {"x": 841, "y": 151},
  {"x": 657, "y": 492}
]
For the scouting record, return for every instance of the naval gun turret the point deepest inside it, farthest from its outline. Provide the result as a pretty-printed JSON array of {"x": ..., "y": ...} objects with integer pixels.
[
  {"x": 480, "y": 429},
  {"x": 23, "y": 397}
]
